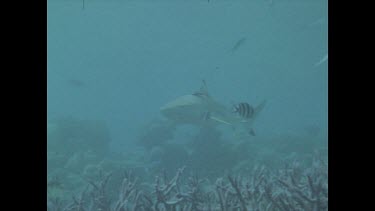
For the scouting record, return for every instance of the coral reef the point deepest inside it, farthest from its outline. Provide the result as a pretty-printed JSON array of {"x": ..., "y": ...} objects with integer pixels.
[
  {"x": 281, "y": 173},
  {"x": 293, "y": 187},
  {"x": 202, "y": 151}
]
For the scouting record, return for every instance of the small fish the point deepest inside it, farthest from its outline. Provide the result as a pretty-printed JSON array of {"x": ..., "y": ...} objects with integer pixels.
[
  {"x": 244, "y": 110},
  {"x": 320, "y": 22},
  {"x": 76, "y": 83},
  {"x": 325, "y": 58},
  {"x": 238, "y": 44}
]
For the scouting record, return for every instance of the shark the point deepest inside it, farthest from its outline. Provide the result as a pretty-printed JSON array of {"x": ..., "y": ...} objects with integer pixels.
[{"x": 201, "y": 109}]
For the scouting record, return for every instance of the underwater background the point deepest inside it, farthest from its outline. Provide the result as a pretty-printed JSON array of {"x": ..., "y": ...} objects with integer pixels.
[{"x": 112, "y": 64}]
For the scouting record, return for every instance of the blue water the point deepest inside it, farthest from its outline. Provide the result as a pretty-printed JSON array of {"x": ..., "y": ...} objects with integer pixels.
[{"x": 134, "y": 56}]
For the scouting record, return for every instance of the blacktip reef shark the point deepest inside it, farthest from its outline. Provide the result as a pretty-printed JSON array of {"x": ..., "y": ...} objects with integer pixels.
[{"x": 200, "y": 109}]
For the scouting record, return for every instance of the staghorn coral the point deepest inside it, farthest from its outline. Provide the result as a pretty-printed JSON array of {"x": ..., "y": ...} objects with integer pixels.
[{"x": 294, "y": 187}]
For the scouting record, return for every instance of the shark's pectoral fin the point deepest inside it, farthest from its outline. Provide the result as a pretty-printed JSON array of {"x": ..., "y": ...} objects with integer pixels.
[{"x": 219, "y": 120}]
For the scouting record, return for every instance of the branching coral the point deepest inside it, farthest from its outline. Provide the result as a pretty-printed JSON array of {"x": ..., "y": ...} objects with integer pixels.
[{"x": 293, "y": 188}]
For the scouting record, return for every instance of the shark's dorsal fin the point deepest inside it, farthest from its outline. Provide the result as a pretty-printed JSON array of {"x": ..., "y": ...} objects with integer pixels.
[{"x": 203, "y": 90}]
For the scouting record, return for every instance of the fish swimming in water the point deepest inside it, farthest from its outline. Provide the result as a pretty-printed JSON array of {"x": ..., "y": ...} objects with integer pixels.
[
  {"x": 76, "y": 83},
  {"x": 244, "y": 109},
  {"x": 325, "y": 58},
  {"x": 238, "y": 44},
  {"x": 201, "y": 109}
]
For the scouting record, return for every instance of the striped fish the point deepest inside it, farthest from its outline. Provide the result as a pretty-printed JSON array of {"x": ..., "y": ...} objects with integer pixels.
[{"x": 244, "y": 110}]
